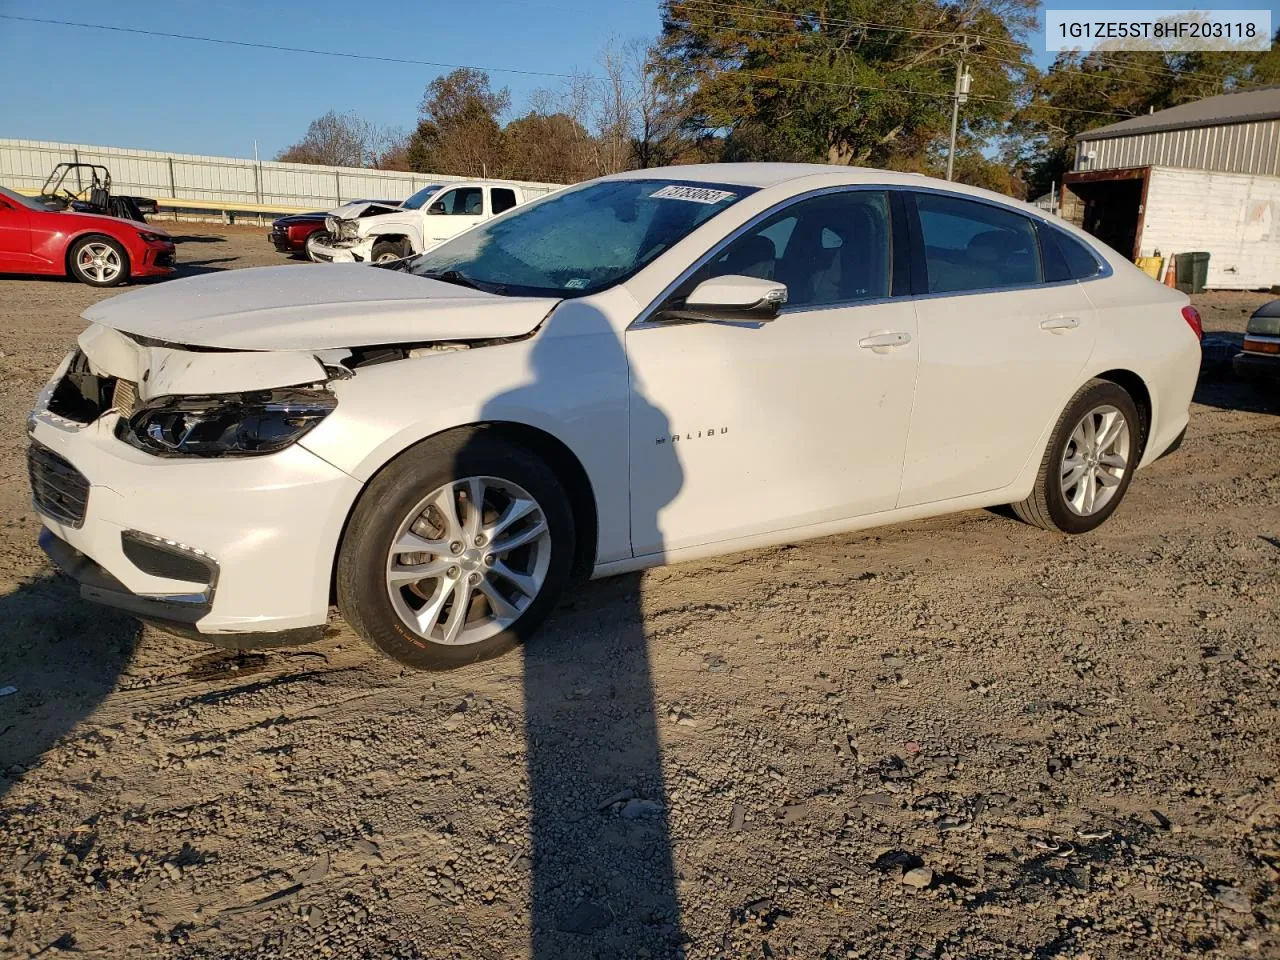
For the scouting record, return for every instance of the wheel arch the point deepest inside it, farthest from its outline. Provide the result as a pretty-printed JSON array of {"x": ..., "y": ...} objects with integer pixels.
[
  {"x": 90, "y": 232},
  {"x": 557, "y": 454},
  {"x": 1137, "y": 388}
]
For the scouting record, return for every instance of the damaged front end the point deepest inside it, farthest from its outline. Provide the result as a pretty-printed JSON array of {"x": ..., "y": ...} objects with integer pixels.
[{"x": 173, "y": 401}]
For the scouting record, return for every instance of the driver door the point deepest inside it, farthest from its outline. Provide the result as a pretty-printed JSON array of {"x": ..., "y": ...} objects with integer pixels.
[
  {"x": 451, "y": 212},
  {"x": 15, "y": 237},
  {"x": 776, "y": 426}
]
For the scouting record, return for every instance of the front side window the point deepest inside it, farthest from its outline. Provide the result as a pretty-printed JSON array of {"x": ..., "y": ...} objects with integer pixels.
[
  {"x": 975, "y": 246},
  {"x": 577, "y": 241},
  {"x": 830, "y": 249},
  {"x": 462, "y": 202}
]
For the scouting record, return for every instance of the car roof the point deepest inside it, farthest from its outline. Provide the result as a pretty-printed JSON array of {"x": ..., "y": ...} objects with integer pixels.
[{"x": 770, "y": 174}]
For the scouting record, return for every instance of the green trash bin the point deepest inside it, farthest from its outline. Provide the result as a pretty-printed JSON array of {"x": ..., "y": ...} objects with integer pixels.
[{"x": 1191, "y": 271}]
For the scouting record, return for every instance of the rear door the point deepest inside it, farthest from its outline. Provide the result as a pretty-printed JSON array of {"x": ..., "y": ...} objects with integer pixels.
[
  {"x": 453, "y": 210},
  {"x": 15, "y": 236},
  {"x": 1001, "y": 346}
]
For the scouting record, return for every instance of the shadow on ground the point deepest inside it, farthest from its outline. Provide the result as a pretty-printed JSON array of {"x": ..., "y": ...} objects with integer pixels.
[
  {"x": 194, "y": 268},
  {"x": 1219, "y": 387},
  {"x": 64, "y": 656}
]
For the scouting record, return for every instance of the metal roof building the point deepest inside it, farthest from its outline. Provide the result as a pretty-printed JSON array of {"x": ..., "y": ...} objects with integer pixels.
[
  {"x": 1201, "y": 176},
  {"x": 1232, "y": 133}
]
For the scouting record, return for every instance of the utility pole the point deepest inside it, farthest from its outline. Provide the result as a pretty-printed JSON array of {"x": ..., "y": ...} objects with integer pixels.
[{"x": 963, "y": 80}]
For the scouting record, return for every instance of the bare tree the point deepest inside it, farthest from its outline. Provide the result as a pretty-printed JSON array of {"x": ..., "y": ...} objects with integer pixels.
[{"x": 344, "y": 140}]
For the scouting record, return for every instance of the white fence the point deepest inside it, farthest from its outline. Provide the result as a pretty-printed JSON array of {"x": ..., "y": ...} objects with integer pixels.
[{"x": 224, "y": 181}]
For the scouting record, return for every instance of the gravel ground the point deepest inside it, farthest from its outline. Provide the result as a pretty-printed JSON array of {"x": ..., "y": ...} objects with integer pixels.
[{"x": 961, "y": 738}]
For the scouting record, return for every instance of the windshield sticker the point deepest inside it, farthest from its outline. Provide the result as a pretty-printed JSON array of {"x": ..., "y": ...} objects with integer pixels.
[
  {"x": 692, "y": 194},
  {"x": 577, "y": 283}
]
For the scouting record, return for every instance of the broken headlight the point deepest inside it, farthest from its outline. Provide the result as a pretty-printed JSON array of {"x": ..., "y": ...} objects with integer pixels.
[
  {"x": 227, "y": 425},
  {"x": 341, "y": 229}
]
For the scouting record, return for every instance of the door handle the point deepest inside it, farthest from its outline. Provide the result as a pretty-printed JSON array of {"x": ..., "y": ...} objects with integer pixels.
[
  {"x": 1060, "y": 324},
  {"x": 881, "y": 341}
]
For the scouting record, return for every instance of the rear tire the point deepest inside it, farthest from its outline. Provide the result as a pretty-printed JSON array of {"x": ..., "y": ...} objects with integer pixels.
[
  {"x": 414, "y": 551},
  {"x": 1089, "y": 461},
  {"x": 98, "y": 261}
]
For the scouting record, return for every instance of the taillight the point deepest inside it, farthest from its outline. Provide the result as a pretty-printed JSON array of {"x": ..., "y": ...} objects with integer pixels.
[{"x": 1192, "y": 316}]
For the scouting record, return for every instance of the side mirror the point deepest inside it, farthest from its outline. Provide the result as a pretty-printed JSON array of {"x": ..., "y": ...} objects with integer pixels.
[
  {"x": 731, "y": 298},
  {"x": 437, "y": 207}
]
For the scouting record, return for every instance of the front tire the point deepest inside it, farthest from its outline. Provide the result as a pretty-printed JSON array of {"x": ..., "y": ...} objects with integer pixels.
[
  {"x": 384, "y": 251},
  {"x": 1089, "y": 461},
  {"x": 319, "y": 236},
  {"x": 456, "y": 551},
  {"x": 98, "y": 261}
]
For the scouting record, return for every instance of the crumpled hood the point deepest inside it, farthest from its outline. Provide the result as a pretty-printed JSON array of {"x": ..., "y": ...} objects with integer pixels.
[
  {"x": 350, "y": 211},
  {"x": 317, "y": 307},
  {"x": 399, "y": 220}
]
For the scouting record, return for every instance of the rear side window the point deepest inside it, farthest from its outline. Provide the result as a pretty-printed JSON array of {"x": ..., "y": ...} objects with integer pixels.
[
  {"x": 502, "y": 198},
  {"x": 1065, "y": 257},
  {"x": 976, "y": 246}
]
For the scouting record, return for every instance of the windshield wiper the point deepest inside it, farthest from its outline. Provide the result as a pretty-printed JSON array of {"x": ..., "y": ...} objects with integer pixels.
[{"x": 452, "y": 276}]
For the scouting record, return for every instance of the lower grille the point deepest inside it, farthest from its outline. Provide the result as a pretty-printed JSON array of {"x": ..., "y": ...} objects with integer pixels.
[{"x": 58, "y": 489}]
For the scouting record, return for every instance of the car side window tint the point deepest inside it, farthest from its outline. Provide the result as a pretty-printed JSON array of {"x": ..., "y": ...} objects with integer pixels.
[
  {"x": 1055, "y": 264},
  {"x": 1081, "y": 262},
  {"x": 462, "y": 201},
  {"x": 502, "y": 198},
  {"x": 976, "y": 246},
  {"x": 829, "y": 249},
  {"x": 1065, "y": 257}
]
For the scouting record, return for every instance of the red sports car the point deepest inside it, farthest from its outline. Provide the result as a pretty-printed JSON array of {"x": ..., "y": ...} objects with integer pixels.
[{"x": 100, "y": 251}]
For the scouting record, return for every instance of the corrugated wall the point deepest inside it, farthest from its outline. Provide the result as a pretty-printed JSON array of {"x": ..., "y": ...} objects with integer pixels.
[
  {"x": 1231, "y": 148},
  {"x": 24, "y": 165}
]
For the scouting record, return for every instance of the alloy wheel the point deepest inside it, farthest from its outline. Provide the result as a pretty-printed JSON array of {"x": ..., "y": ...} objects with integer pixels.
[
  {"x": 468, "y": 560},
  {"x": 1096, "y": 460},
  {"x": 99, "y": 261}
]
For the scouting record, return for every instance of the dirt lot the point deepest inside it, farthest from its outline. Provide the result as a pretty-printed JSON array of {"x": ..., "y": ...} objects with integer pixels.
[{"x": 952, "y": 739}]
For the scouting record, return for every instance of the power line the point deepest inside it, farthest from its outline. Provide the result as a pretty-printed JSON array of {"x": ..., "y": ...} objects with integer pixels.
[
  {"x": 720, "y": 6},
  {"x": 284, "y": 49},
  {"x": 535, "y": 73}
]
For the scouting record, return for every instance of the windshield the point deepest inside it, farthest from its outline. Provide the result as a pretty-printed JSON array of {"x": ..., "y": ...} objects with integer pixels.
[
  {"x": 578, "y": 241},
  {"x": 22, "y": 201},
  {"x": 421, "y": 197}
]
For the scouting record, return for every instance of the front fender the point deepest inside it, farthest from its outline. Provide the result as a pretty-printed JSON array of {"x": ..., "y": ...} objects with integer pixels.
[{"x": 570, "y": 384}]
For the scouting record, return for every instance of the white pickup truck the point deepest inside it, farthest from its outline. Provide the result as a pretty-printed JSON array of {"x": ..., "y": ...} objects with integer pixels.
[{"x": 431, "y": 216}]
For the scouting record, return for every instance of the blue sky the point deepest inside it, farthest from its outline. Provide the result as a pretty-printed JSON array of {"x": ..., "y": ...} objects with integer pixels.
[{"x": 89, "y": 86}]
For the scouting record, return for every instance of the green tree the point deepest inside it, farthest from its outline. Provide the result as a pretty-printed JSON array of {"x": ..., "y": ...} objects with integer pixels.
[
  {"x": 844, "y": 81},
  {"x": 459, "y": 130}
]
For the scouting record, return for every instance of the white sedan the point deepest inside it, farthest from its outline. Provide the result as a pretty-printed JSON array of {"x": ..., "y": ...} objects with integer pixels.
[{"x": 652, "y": 367}]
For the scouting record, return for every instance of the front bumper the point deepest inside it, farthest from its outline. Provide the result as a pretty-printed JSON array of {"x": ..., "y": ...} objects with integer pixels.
[
  {"x": 1257, "y": 366},
  {"x": 157, "y": 260},
  {"x": 342, "y": 251},
  {"x": 269, "y": 526},
  {"x": 282, "y": 243}
]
